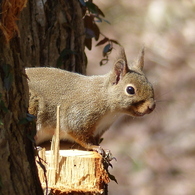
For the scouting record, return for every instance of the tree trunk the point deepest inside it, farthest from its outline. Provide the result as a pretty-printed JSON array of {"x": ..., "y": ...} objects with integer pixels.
[
  {"x": 17, "y": 171},
  {"x": 51, "y": 33}
]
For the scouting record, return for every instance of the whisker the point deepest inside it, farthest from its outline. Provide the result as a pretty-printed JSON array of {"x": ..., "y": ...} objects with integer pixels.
[
  {"x": 165, "y": 93},
  {"x": 162, "y": 101}
]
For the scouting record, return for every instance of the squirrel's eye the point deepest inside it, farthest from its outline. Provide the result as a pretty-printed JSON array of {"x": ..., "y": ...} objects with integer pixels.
[{"x": 130, "y": 90}]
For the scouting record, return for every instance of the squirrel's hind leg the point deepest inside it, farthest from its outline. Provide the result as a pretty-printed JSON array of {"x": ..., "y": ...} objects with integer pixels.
[{"x": 86, "y": 141}]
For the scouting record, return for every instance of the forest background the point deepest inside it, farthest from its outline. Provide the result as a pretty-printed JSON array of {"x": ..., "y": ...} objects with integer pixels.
[{"x": 155, "y": 154}]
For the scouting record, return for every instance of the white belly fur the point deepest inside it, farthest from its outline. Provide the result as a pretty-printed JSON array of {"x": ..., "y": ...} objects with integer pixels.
[
  {"x": 45, "y": 134},
  {"x": 105, "y": 123}
]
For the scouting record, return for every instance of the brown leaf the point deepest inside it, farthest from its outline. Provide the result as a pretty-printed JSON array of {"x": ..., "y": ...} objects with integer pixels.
[{"x": 102, "y": 41}]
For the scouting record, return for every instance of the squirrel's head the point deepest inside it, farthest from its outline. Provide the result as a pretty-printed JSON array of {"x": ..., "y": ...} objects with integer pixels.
[{"x": 129, "y": 90}]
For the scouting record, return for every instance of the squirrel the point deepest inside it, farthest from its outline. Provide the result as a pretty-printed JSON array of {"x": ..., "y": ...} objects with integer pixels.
[{"x": 88, "y": 104}]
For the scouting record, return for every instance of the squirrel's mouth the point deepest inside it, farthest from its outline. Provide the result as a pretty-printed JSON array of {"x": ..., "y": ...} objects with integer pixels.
[
  {"x": 147, "y": 111},
  {"x": 138, "y": 114}
]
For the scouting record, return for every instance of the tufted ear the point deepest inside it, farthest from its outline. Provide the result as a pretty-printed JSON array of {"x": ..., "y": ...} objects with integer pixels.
[
  {"x": 120, "y": 67},
  {"x": 139, "y": 63}
]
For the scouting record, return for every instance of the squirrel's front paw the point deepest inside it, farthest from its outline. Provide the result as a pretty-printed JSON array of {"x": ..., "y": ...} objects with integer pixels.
[
  {"x": 98, "y": 149},
  {"x": 106, "y": 154}
]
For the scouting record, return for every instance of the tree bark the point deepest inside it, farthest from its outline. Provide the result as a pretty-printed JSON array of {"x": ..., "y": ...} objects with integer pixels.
[
  {"x": 51, "y": 33},
  {"x": 17, "y": 171}
]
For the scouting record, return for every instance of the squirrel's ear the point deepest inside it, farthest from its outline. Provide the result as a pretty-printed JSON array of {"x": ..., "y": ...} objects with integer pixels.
[
  {"x": 120, "y": 69},
  {"x": 139, "y": 63}
]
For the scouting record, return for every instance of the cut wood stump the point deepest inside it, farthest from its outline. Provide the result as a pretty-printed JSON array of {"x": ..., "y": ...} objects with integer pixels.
[
  {"x": 79, "y": 172},
  {"x": 71, "y": 171}
]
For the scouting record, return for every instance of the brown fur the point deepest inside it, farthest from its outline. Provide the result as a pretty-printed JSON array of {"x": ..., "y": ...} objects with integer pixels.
[{"x": 88, "y": 104}]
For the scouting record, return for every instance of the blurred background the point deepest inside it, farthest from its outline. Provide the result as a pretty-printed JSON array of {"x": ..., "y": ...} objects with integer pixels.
[{"x": 156, "y": 153}]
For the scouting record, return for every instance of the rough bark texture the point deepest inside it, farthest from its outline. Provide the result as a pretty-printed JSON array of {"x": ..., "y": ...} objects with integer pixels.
[
  {"x": 52, "y": 30},
  {"x": 48, "y": 30},
  {"x": 17, "y": 171}
]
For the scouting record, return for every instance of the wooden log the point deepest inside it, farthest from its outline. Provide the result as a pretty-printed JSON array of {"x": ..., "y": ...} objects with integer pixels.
[
  {"x": 71, "y": 171},
  {"x": 80, "y": 172}
]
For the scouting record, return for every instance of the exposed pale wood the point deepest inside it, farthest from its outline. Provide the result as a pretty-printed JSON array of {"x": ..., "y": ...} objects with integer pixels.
[
  {"x": 54, "y": 162},
  {"x": 79, "y": 171}
]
